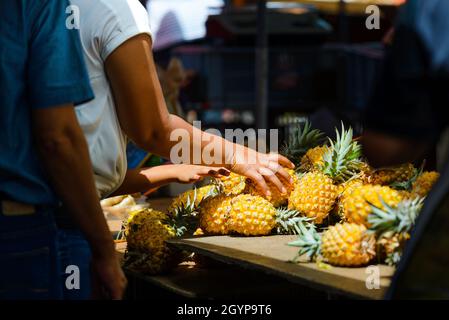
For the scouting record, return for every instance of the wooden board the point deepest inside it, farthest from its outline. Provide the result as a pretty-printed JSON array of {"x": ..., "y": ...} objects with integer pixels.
[{"x": 272, "y": 255}]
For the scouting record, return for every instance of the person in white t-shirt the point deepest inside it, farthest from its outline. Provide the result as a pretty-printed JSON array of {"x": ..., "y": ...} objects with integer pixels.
[{"x": 129, "y": 104}]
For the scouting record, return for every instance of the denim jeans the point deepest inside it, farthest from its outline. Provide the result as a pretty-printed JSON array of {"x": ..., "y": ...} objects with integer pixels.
[
  {"x": 75, "y": 257},
  {"x": 29, "y": 261}
]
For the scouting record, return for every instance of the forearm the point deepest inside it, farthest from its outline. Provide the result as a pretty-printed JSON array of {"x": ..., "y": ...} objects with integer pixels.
[
  {"x": 145, "y": 179},
  {"x": 203, "y": 148},
  {"x": 67, "y": 163}
]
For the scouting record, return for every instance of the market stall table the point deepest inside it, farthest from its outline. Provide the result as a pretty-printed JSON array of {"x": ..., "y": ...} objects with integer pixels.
[
  {"x": 272, "y": 255},
  {"x": 241, "y": 256}
]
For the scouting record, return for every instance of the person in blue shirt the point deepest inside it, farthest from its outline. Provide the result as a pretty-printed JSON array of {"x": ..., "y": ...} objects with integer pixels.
[{"x": 45, "y": 173}]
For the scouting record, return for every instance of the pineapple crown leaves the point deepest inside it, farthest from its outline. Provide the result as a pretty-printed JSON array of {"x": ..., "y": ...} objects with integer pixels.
[
  {"x": 289, "y": 221},
  {"x": 301, "y": 139},
  {"x": 185, "y": 217},
  {"x": 343, "y": 159},
  {"x": 397, "y": 219},
  {"x": 309, "y": 242},
  {"x": 407, "y": 185}
]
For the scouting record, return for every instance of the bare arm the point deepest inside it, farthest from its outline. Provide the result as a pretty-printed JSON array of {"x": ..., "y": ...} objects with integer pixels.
[
  {"x": 144, "y": 117},
  {"x": 64, "y": 155},
  {"x": 145, "y": 179}
]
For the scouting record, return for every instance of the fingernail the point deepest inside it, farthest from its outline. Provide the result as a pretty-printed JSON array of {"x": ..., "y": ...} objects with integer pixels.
[
  {"x": 284, "y": 190},
  {"x": 268, "y": 194}
]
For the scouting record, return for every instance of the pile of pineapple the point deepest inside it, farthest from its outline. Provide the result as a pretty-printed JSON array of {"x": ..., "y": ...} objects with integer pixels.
[{"x": 344, "y": 212}]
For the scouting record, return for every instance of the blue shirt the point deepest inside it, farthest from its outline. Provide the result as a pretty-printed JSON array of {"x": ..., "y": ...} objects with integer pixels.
[{"x": 41, "y": 66}]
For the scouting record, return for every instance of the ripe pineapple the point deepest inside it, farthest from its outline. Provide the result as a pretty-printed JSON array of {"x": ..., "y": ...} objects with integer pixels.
[
  {"x": 251, "y": 215},
  {"x": 214, "y": 214},
  {"x": 397, "y": 174},
  {"x": 316, "y": 192},
  {"x": 247, "y": 215},
  {"x": 424, "y": 183},
  {"x": 392, "y": 225},
  {"x": 277, "y": 199},
  {"x": 146, "y": 231},
  {"x": 193, "y": 196},
  {"x": 234, "y": 184},
  {"x": 355, "y": 205},
  {"x": 301, "y": 139},
  {"x": 347, "y": 244},
  {"x": 314, "y": 196},
  {"x": 313, "y": 158}
]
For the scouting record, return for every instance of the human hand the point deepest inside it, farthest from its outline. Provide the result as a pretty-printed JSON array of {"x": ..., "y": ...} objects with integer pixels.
[
  {"x": 263, "y": 168},
  {"x": 192, "y": 173},
  {"x": 108, "y": 279}
]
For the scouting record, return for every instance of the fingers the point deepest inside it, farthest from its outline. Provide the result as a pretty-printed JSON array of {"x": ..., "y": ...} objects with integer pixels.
[
  {"x": 271, "y": 177},
  {"x": 283, "y": 161},
  {"x": 283, "y": 174},
  {"x": 260, "y": 182},
  {"x": 119, "y": 290}
]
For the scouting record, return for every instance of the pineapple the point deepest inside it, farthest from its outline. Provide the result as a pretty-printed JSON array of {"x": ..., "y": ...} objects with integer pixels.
[
  {"x": 277, "y": 198},
  {"x": 314, "y": 196},
  {"x": 214, "y": 214},
  {"x": 193, "y": 196},
  {"x": 345, "y": 244},
  {"x": 234, "y": 184},
  {"x": 300, "y": 140},
  {"x": 392, "y": 225},
  {"x": 251, "y": 215},
  {"x": 146, "y": 231},
  {"x": 316, "y": 192},
  {"x": 313, "y": 158},
  {"x": 247, "y": 215},
  {"x": 424, "y": 183},
  {"x": 397, "y": 174},
  {"x": 355, "y": 205}
]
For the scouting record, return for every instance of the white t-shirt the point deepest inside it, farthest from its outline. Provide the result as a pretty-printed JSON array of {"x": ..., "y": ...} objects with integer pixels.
[{"x": 105, "y": 25}]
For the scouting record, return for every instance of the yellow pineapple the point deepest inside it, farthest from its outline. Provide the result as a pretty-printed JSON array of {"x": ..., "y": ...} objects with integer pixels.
[
  {"x": 247, "y": 215},
  {"x": 387, "y": 176},
  {"x": 251, "y": 215},
  {"x": 392, "y": 225},
  {"x": 277, "y": 198},
  {"x": 313, "y": 158},
  {"x": 214, "y": 214},
  {"x": 314, "y": 196},
  {"x": 146, "y": 231},
  {"x": 234, "y": 184},
  {"x": 316, "y": 192},
  {"x": 424, "y": 183},
  {"x": 192, "y": 196},
  {"x": 356, "y": 207},
  {"x": 345, "y": 244}
]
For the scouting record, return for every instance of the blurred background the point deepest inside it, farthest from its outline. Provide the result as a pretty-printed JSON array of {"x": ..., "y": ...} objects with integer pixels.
[{"x": 265, "y": 64}]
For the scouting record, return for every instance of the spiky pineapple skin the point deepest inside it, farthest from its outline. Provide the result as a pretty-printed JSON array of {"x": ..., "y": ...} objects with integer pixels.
[
  {"x": 183, "y": 198},
  {"x": 146, "y": 233},
  {"x": 214, "y": 214},
  {"x": 348, "y": 245},
  {"x": 234, "y": 184},
  {"x": 277, "y": 198},
  {"x": 387, "y": 176},
  {"x": 356, "y": 208},
  {"x": 251, "y": 216},
  {"x": 313, "y": 158},
  {"x": 391, "y": 247},
  {"x": 314, "y": 196},
  {"x": 424, "y": 183}
]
